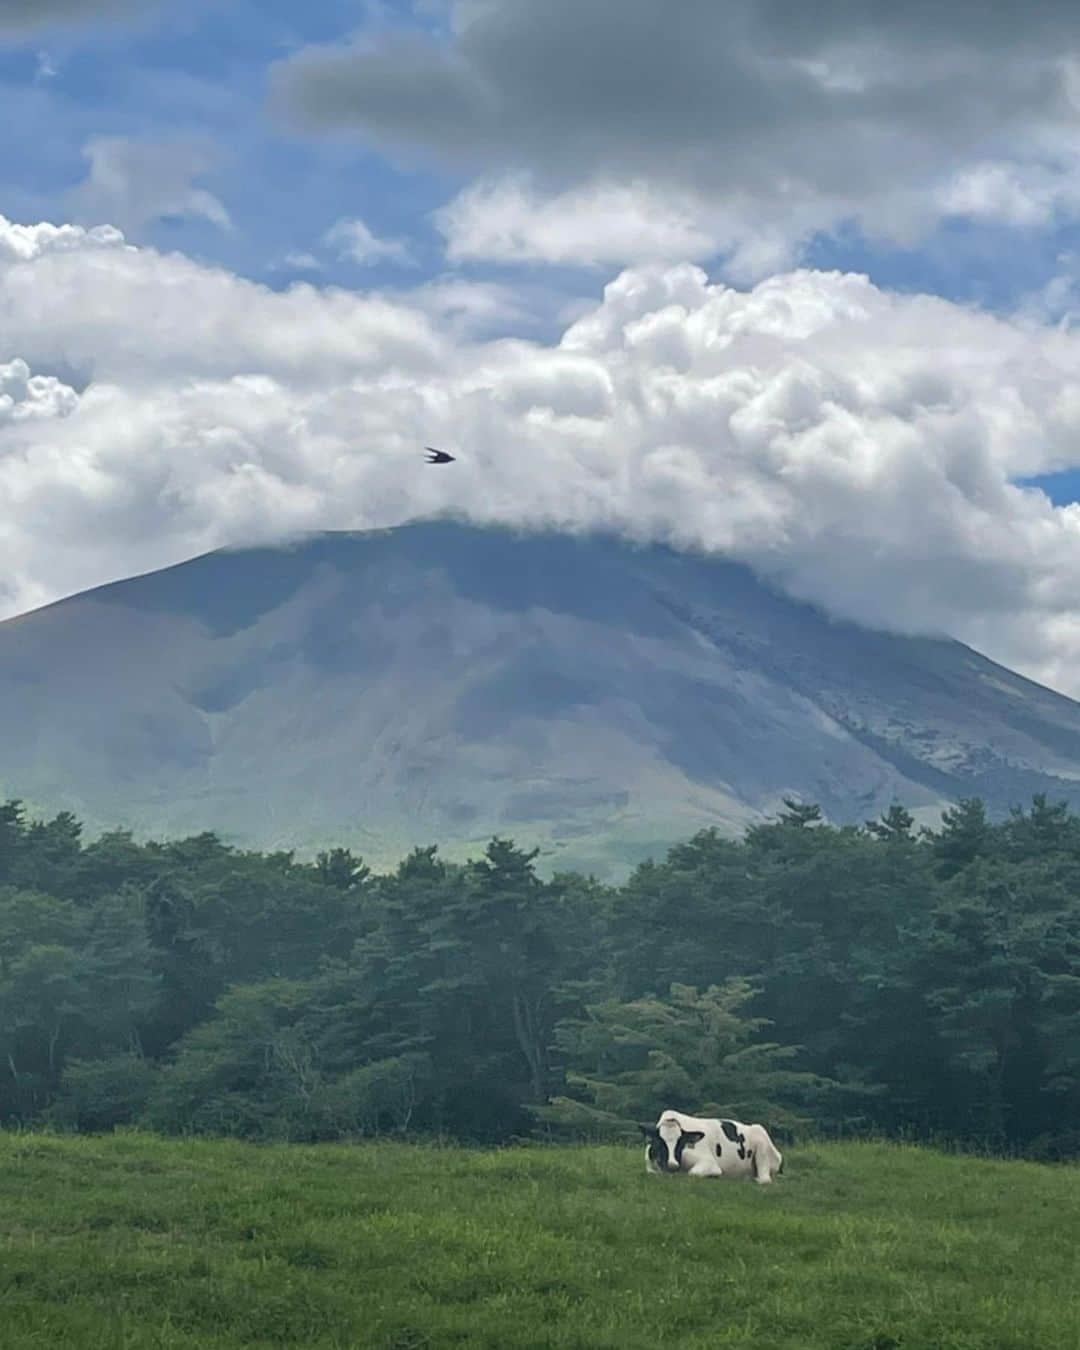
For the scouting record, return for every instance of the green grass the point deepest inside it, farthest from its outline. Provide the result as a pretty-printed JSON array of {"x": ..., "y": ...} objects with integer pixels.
[{"x": 133, "y": 1241}]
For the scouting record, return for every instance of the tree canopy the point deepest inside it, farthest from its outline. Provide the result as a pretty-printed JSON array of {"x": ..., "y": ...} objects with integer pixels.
[{"x": 839, "y": 978}]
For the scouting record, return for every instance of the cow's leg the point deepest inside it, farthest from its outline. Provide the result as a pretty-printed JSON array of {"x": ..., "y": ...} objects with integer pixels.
[
  {"x": 766, "y": 1164},
  {"x": 707, "y": 1167}
]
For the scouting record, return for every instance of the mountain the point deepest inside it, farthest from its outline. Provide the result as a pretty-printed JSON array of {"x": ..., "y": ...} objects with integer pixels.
[{"x": 440, "y": 682}]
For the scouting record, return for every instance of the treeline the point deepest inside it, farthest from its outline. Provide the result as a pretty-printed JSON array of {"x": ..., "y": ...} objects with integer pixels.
[{"x": 849, "y": 978}]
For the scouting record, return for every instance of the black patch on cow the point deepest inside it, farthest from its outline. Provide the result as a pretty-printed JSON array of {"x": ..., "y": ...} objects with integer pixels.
[
  {"x": 735, "y": 1135},
  {"x": 658, "y": 1149},
  {"x": 687, "y": 1139},
  {"x": 658, "y": 1154}
]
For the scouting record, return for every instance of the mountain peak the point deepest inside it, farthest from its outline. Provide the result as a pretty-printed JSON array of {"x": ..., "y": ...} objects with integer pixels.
[{"x": 440, "y": 682}]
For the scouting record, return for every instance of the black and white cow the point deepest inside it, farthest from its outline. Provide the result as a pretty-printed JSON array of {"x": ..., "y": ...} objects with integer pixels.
[{"x": 710, "y": 1148}]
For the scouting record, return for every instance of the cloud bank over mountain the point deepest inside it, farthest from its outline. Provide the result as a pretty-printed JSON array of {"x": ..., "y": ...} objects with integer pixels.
[{"x": 855, "y": 444}]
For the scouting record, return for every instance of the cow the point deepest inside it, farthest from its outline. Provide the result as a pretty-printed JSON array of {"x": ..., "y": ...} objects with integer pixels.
[{"x": 710, "y": 1148}]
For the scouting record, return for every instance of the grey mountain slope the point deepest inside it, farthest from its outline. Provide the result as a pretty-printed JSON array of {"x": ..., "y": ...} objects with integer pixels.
[{"x": 440, "y": 682}]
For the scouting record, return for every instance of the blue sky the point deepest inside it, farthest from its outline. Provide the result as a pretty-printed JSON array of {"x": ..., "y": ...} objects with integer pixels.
[
  {"x": 608, "y": 252},
  {"x": 202, "y": 74},
  {"x": 1062, "y": 487}
]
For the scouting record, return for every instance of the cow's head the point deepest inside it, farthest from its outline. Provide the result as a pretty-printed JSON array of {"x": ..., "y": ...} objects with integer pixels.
[{"x": 665, "y": 1142}]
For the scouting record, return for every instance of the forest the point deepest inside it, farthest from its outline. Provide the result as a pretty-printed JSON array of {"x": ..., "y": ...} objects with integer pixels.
[{"x": 828, "y": 980}]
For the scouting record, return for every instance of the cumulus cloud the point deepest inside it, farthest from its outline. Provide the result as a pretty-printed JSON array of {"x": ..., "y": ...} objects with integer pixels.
[
  {"x": 132, "y": 316},
  {"x": 353, "y": 239},
  {"x": 856, "y": 445},
  {"x": 136, "y": 181},
  {"x": 508, "y": 221},
  {"x": 750, "y": 115},
  {"x": 24, "y": 396},
  {"x": 22, "y": 243}
]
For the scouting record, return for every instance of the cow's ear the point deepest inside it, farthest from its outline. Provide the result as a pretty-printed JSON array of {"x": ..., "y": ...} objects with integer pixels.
[
  {"x": 693, "y": 1136},
  {"x": 649, "y": 1131}
]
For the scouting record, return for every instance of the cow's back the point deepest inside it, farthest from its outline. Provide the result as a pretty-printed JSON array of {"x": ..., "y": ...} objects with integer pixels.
[
  {"x": 742, "y": 1151},
  {"x": 734, "y": 1150}
]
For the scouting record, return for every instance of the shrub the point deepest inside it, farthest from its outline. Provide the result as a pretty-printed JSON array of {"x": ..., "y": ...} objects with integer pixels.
[{"x": 99, "y": 1094}]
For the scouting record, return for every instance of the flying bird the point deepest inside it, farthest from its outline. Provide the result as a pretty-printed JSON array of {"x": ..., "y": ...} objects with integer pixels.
[{"x": 438, "y": 456}]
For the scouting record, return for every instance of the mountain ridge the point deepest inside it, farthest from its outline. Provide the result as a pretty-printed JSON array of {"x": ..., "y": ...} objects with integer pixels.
[{"x": 440, "y": 682}]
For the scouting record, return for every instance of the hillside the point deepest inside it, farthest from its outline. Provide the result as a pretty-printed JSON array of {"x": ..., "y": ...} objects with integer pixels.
[
  {"x": 137, "y": 1241},
  {"x": 440, "y": 681}
]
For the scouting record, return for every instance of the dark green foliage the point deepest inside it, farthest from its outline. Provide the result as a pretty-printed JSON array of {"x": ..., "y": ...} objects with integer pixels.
[
  {"x": 965, "y": 835},
  {"x": 897, "y": 823},
  {"x": 99, "y": 1094},
  {"x": 341, "y": 868},
  {"x": 852, "y": 979},
  {"x": 800, "y": 813},
  {"x": 12, "y": 838},
  {"x": 624, "y": 1058}
]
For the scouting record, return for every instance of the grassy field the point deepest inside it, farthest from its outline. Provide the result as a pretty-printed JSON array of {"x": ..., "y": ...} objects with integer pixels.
[{"x": 132, "y": 1241}]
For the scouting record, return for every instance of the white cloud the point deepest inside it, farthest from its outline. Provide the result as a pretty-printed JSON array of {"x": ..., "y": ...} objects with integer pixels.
[
  {"x": 25, "y": 397},
  {"x": 354, "y": 240},
  {"x": 508, "y": 221},
  {"x": 1025, "y": 196},
  {"x": 23, "y": 243},
  {"x": 603, "y": 131},
  {"x": 854, "y": 444},
  {"x": 136, "y": 181},
  {"x": 299, "y": 261},
  {"x": 131, "y": 316},
  {"x": 1058, "y": 301}
]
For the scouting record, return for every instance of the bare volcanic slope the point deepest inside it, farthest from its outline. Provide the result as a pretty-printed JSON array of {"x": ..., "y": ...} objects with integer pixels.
[{"x": 440, "y": 682}]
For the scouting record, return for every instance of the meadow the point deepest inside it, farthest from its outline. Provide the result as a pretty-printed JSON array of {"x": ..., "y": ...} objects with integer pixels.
[{"x": 133, "y": 1241}]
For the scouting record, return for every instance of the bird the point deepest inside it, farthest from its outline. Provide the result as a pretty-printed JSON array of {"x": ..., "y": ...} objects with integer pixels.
[{"x": 438, "y": 456}]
